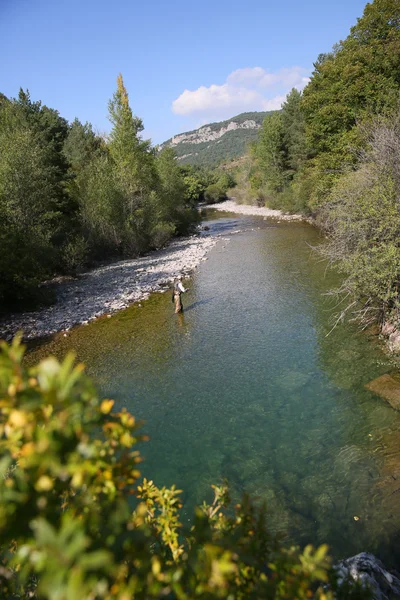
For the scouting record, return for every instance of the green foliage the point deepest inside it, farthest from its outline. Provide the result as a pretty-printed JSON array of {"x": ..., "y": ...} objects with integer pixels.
[
  {"x": 270, "y": 155},
  {"x": 80, "y": 145},
  {"x": 278, "y": 155},
  {"x": 29, "y": 191},
  {"x": 101, "y": 206},
  {"x": 196, "y": 180},
  {"x": 68, "y": 197},
  {"x": 293, "y": 126},
  {"x": 178, "y": 195},
  {"x": 76, "y": 520},
  {"x": 316, "y": 138},
  {"x": 214, "y": 193},
  {"x": 363, "y": 225},
  {"x": 359, "y": 79},
  {"x": 356, "y": 199}
]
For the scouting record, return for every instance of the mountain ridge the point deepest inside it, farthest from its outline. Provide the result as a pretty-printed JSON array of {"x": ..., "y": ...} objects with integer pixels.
[{"x": 216, "y": 142}]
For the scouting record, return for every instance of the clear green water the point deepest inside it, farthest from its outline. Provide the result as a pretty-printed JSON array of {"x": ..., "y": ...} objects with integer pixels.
[{"x": 246, "y": 385}]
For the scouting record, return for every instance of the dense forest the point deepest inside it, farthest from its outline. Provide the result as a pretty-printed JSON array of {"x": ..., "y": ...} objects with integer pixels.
[
  {"x": 333, "y": 152},
  {"x": 70, "y": 198}
]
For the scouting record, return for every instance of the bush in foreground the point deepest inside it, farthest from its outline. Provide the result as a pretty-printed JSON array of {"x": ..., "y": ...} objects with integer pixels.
[{"x": 76, "y": 520}]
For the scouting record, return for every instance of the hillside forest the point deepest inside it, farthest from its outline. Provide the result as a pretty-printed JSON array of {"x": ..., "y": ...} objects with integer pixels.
[{"x": 210, "y": 154}]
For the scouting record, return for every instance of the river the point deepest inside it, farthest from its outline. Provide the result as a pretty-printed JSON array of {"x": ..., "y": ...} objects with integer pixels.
[{"x": 247, "y": 385}]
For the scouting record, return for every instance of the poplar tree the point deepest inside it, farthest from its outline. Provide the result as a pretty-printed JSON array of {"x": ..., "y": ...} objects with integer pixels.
[
  {"x": 270, "y": 154},
  {"x": 133, "y": 156},
  {"x": 136, "y": 170},
  {"x": 293, "y": 124}
]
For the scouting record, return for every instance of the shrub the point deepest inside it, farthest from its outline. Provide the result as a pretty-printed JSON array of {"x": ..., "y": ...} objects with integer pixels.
[
  {"x": 161, "y": 234},
  {"x": 75, "y": 253},
  {"x": 362, "y": 222},
  {"x": 214, "y": 193}
]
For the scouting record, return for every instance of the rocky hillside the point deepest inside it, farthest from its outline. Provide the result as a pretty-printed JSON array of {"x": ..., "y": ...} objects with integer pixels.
[{"x": 211, "y": 144}]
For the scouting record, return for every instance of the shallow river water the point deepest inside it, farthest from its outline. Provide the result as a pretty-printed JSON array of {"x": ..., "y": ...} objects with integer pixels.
[{"x": 247, "y": 385}]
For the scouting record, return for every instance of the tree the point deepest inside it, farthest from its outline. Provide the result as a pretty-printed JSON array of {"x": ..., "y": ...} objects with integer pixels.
[
  {"x": 124, "y": 136},
  {"x": 134, "y": 157},
  {"x": 69, "y": 480},
  {"x": 358, "y": 79},
  {"x": 196, "y": 180},
  {"x": 81, "y": 145},
  {"x": 362, "y": 221},
  {"x": 175, "y": 211},
  {"x": 50, "y": 131},
  {"x": 29, "y": 212},
  {"x": 293, "y": 125},
  {"x": 270, "y": 154},
  {"x": 101, "y": 207},
  {"x": 136, "y": 170}
]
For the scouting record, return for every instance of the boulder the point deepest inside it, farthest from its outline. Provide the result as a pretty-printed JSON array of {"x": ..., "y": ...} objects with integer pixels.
[
  {"x": 371, "y": 572},
  {"x": 387, "y": 386},
  {"x": 394, "y": 341},
  {"x": 388, "y": 328}
]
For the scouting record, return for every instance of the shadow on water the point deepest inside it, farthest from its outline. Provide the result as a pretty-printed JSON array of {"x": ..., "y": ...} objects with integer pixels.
[
  {"x": 197, "y": 304},
  {"x": 257, "y": 393}
]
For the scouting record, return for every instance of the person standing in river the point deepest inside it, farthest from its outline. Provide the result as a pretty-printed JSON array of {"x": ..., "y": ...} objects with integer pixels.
[{"x": 176, "y": 296}]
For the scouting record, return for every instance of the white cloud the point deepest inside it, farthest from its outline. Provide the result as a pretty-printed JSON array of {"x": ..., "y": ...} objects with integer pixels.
[
  {"x": 251, "y": 88},
  {"x": 248, "y": 75},
  {"x": 274, "y": 103},
  {"x": 214, "y": 97}
]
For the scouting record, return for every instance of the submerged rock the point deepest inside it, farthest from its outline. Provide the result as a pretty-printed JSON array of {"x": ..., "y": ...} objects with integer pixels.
[
  {"x": 388, "y": 387},
  {"x": 292, "y": 379},
  {"x": 371, "y": 572}
]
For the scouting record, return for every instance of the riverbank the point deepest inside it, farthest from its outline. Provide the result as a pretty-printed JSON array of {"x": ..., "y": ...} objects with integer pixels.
[
  {"x": 116, "y": 286},
  {"x": 260, "y": 211},
  {"x": 110, "y": 288}
]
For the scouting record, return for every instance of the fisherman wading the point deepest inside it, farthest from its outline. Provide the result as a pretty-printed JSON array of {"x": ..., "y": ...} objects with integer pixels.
[{"x": 176, "y": 295}]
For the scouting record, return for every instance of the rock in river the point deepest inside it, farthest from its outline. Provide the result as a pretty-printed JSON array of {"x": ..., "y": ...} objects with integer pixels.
[
  {"x": 387, "y": 386},
  {"x": 367, "y": 569}
]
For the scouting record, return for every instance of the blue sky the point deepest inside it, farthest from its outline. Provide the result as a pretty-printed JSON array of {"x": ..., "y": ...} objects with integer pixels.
[{"x": 183, "y": 63}]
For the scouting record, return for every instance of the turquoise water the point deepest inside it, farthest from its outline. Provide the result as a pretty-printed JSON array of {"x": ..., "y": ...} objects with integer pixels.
[{"x": 247, "y": 385}]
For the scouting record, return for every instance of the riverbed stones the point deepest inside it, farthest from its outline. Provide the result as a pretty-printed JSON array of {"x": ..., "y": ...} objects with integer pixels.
[{"x": 388, "y": 387}]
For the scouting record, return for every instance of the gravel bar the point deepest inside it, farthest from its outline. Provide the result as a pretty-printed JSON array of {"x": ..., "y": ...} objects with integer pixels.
[
  {"x": 110, "y": 288},
  {"x": 246, "y": 209}
]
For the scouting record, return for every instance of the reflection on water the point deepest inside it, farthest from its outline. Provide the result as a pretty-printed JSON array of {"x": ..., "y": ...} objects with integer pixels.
[{"x": 246, "y": 385}]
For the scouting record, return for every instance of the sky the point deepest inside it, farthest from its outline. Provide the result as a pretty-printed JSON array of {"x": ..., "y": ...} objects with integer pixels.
[{"x": 184, "y": 63}]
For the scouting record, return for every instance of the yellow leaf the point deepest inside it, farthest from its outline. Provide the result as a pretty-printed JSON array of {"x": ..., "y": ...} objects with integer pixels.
[
  {"x": 17, "y": 418},
  {"x": 155, "y": 566},
  {"x": 106, "y": 406},
  {"x": 28, "y": 449},
  {"x": 44, "y": 484}
]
